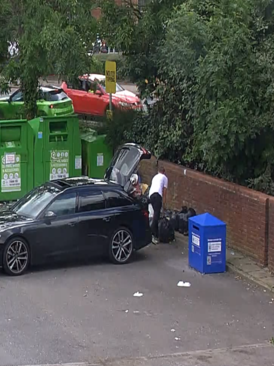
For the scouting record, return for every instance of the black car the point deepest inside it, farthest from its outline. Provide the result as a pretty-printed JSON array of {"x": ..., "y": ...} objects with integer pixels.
[{"x": 77, "y": 217}]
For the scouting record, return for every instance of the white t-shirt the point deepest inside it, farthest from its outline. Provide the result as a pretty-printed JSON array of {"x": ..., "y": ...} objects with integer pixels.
[{"x": 159, "y": 182}]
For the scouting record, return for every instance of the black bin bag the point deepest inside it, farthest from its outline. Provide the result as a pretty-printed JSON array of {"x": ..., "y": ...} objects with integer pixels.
[
  {"x": 183, "y": 216},
  {"x": 165, "y": 231},
  {"x": 174, "y": 220}
]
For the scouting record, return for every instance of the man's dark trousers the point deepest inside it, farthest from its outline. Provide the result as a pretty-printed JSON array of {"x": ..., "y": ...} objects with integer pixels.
[{"x": 156, "y": 202}]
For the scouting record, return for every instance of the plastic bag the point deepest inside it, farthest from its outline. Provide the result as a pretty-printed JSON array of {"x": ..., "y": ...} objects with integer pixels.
[
  {"x": 174, "y": 220},
  {"x": 165, "y": 231},
  {"x": 167, "y": 214},
  {"x": 184, "y": 215}
]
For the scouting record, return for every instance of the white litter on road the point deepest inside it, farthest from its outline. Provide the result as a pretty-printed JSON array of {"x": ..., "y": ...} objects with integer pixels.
[
  {"x": 177, "y": 339},
  {"x": 126, "y": 311},
  {"x": 183, "y": 284},
  {"x": 138, "y": 294},
  {"x": 172, "y": 330}
]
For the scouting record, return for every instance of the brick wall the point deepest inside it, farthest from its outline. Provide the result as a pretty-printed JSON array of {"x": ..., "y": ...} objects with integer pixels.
[{"x": 246, "y": 212}]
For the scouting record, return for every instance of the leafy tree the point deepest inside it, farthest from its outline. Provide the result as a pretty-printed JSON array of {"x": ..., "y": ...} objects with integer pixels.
[
  {"x": 232, "y": 70},
  {"x": 138, "y": 33},
  {"x": 210, "y": 63},
  {"x": 52, "y": 36}
]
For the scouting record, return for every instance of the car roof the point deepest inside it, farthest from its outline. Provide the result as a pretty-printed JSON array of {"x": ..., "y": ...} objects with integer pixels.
[
  {"x": 83, "y": 182},
  {"x": 47, "y": 89}
]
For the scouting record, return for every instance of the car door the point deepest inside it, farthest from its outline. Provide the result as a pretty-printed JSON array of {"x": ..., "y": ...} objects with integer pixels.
[
  {"x": 119, "y": 209},
  {"x": 93, "y": 222},
  {"x": 96, "y": 104},
  {"x": 16, "y": 105},
  {"x": 101, "y": 100},
  {"x": 57, "y": 236},
  {"x": 78, "y": 95}
]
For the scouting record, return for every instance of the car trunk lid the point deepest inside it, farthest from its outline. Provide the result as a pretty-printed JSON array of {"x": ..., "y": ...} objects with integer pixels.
[{"x": 125, "y": 162}]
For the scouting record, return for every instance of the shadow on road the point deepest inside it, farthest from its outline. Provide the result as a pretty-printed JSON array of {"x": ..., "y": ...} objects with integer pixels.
[{"x": 78, "y": 263}]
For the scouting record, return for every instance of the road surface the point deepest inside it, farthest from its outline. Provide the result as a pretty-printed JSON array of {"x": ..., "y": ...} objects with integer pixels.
[{"x": 86, "y": 314}]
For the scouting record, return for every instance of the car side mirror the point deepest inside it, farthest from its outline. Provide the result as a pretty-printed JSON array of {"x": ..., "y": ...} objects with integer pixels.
[
  {"x": 49, "y": 215},
  {"x": 98, "y": 92}
]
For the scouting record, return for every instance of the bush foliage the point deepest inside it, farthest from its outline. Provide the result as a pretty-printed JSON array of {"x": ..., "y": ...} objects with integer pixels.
[{"x": 211, "y": 64}]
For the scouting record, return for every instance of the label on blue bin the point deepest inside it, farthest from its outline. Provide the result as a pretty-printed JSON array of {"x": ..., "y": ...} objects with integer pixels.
[
  {"x": 196, "y": 244},
  {"x": 214, "y": 251}
]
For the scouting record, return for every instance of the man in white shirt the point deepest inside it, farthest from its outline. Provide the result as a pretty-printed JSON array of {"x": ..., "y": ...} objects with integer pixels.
[{"x": 157, "y": 196}]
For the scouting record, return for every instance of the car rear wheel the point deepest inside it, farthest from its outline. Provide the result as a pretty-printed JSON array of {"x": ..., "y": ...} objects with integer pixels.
[
  {"x": 121, "y": 246},
  {"x": 16, "y": 257}
]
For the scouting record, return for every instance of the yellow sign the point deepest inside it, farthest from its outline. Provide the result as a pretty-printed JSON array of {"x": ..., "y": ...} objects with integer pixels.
[{"x": 111, "y": 77}]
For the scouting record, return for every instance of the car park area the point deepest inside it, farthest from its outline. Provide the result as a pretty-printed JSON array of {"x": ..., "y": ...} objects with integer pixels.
[{"x": 85, "y": 313}]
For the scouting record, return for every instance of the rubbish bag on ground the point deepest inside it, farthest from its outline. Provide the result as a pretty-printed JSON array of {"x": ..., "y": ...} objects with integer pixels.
[
  {"x": 174, "y": 220},
  {"x": 168, "y": 214},
  {"x": 165, "y": 230},
  {"x": 183, "y": 216},
  {"x": 182, "y": 220}
]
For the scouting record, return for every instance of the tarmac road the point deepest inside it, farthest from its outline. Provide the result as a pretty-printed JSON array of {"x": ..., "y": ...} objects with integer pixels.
[{"x": 86, "y": 314}]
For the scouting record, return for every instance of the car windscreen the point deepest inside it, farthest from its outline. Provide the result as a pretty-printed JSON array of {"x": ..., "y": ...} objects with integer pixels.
[
  {"x": 35, "y": 201},
  {"x": 54, "y": 95},
  {"x": 103, "y": 85}
]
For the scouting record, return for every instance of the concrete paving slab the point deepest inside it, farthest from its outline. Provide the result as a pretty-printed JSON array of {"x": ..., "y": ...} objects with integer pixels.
[{"x": 244, "y": 266}]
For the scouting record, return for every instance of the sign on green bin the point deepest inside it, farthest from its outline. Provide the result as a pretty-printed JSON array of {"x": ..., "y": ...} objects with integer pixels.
[
  {"x": 57, "y": 148},
  {"x": 16, "y": 159}
]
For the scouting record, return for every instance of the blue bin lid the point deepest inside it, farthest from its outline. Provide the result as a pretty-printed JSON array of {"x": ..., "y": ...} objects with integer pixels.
[{"x": 206, "y": 219}]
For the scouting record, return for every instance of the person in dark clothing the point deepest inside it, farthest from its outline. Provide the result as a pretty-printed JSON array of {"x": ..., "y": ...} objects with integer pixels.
[{"x": 157, "y": 196}]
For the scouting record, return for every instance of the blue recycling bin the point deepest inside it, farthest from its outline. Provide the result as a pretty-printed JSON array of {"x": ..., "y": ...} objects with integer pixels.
[{"x": 207, "y": 244}]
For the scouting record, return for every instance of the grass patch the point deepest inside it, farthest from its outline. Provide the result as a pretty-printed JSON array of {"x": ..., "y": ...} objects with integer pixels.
[{"x": 103, "y": 57}]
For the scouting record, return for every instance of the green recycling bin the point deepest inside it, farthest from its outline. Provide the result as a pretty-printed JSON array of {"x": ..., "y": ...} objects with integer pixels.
[
  {"x": 96, "y": 155},
  {"x": 57, "y": 148},
  {"x": 16, "y": 150}
]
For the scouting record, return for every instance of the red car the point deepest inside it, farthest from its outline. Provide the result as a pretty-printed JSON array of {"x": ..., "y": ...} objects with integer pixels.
[{"x": 89, "y": 96}]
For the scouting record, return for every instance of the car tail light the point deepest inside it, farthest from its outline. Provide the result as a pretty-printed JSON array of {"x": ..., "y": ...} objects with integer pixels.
[
  {"x": 51, "y": 106},
  {"x": 146, "y": 214}
]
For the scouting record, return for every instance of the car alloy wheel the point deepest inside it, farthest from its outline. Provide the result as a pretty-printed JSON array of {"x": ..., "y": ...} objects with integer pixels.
[
  {"x": 121, "y": 246},
  {"x": 16, "y": 257}
]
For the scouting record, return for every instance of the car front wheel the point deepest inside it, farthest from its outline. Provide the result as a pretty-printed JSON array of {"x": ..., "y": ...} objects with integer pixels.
[
  {"x": 16, "y": 257},
  {"x": 121, "y": 246}
]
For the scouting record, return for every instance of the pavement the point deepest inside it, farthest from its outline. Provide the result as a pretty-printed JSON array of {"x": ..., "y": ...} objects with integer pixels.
[
  {"x": 243, "y": 266},
  {"x": 85, "y": 314},
  {"x": 249, "y": 269}
]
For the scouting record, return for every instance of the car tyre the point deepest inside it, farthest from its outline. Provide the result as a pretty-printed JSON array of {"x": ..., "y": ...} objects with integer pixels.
[
  {"x": 121, "y": 246},
  {"x": 16, "y": 257}
]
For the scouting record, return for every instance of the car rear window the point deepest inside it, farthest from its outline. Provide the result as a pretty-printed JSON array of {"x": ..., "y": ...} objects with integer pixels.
[
  {"x": 55, "y": 95},
  {"x": 116, "y": 199},
  {"x": 91, "y": 200}
]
